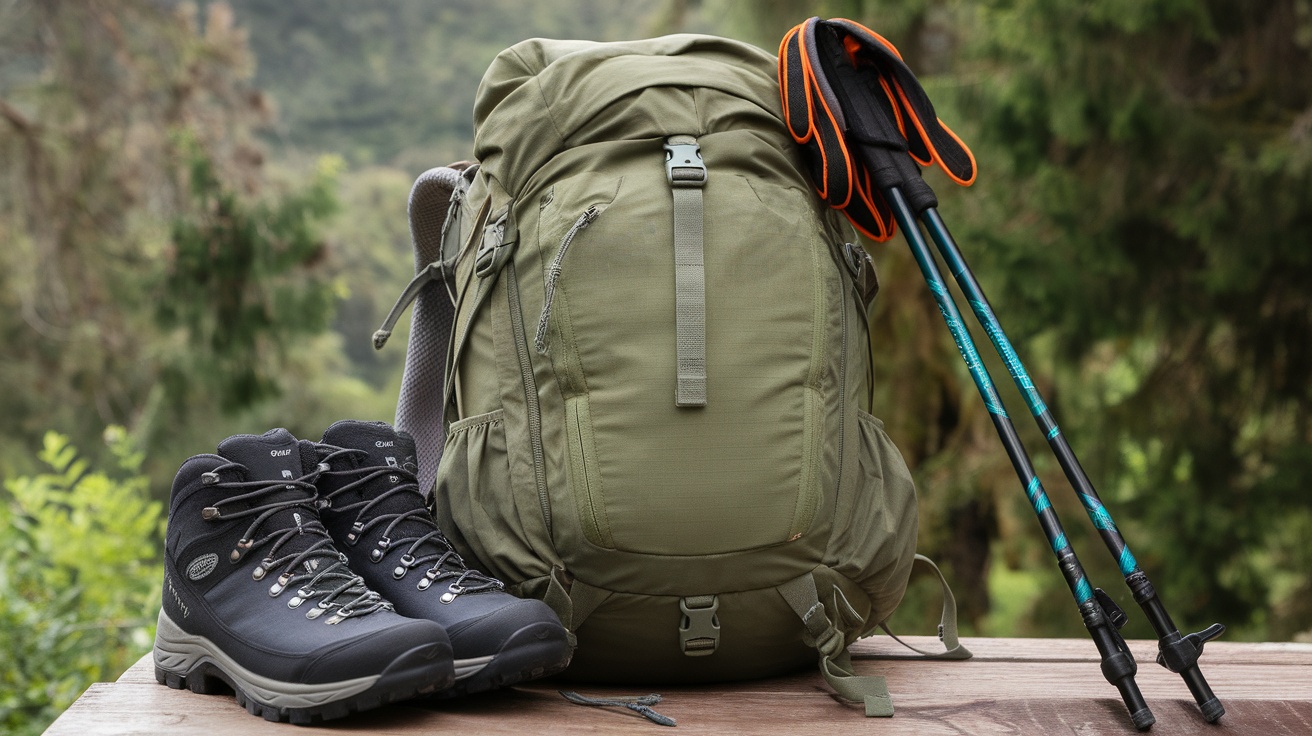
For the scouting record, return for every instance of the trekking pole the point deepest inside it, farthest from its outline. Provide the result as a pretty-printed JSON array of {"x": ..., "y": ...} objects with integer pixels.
[
  {"x": 1102, "y": 617},
  {"x": 1177, "y": 653},
  {"x": 846, "y": 108}
]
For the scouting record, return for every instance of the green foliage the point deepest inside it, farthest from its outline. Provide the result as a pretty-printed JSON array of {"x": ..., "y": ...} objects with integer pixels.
[
  {"x": 1158, "y": 153},
  {"x": 154, "y": 273},
  {"x": 79, "y": 578},
  {"x": 244, "y": 284},
  {"x": 393, "y": 82},
  {"x": 1140, "y": 223}
]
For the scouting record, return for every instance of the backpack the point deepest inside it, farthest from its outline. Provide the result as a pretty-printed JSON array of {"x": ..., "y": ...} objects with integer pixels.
[{"x": 639, "y": 369}]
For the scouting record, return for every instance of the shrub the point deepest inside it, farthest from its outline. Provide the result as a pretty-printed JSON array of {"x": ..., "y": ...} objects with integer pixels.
[{"x": 79, "y": 579}]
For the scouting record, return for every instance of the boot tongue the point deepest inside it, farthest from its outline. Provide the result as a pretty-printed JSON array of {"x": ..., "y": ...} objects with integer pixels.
[
  {"x": 385, "y": 446},
  {"x": 274, "y": 455}
]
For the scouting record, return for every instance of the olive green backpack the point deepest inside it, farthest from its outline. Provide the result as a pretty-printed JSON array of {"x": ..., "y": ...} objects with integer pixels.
[{"x": 640, "y": 349}]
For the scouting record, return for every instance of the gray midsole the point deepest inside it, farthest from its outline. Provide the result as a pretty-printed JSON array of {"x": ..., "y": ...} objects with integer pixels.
[
  {"x": 178, "y": 652},
  {"x": 467, "y": 667}
]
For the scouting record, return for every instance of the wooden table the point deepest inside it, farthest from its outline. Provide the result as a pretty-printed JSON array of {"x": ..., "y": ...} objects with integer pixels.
[{"x": 1012, "y": 686}]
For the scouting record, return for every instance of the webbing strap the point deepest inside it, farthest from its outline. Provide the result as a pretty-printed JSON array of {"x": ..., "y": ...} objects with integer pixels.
[
  {"x": 835, "y": 665},
  {"x": 574, "y": 601},
  {"x": 686, "y": 173},
  {"x": 947, "y": 627}
]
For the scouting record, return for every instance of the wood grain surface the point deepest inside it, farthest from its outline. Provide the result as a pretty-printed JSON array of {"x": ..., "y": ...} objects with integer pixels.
[{"x": 1011, "y": 686}]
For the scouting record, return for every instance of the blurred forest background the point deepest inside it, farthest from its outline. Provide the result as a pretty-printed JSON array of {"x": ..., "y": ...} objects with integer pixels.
[{"x": 202, "y": 212}]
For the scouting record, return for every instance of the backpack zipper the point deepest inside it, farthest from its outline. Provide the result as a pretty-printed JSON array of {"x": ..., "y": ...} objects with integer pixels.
[
  {"x": 530, "y": 392},
  {"x": 553, "y": 275}
]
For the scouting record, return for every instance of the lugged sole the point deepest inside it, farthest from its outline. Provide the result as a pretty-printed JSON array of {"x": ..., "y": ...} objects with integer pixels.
[
  {"x": 193, "y": 662},
  {"x": 535, "y": 651}
]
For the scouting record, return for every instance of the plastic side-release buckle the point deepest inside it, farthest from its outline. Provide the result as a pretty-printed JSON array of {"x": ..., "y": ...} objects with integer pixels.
[
  {"x": 699, "y": 631},
  {"x": 684, "y": 166},
  {"x": 862, "y": 268},
  {"x": 494, "y": 250}
]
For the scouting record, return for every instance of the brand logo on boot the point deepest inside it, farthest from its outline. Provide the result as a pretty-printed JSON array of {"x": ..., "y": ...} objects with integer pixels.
[
  {"x": 202, "y": 566},
  {"x": 381, "y": 443},
  {"x": 280, "y": 453}
]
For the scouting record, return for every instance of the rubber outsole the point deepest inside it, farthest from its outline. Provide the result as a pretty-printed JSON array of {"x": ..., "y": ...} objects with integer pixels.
[
  {"x": 420, "y": 671},
  {"x": 535, "y": 651}
]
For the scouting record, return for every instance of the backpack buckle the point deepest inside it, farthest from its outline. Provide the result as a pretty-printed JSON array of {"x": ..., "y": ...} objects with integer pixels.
[
  {"x": 494, "y": 250},
  {"x": 699, "y": 631},
  {"x": 684, "y": 166},
  {"x": 862, "y": 268}
]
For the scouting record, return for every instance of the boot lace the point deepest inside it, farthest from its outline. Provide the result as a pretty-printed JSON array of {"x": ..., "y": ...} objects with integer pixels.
[
  {"x": 318, "y": 571},
  {"x": 430, "y": 547}
]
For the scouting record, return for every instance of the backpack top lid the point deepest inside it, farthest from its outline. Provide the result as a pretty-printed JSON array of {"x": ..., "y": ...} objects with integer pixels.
[{"x": 541, "y": 97}]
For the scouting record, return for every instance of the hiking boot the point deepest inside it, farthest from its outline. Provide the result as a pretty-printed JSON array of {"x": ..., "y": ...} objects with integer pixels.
[
  {"x": 371, "y": 503},
  {"x": 257, "y": 597}
]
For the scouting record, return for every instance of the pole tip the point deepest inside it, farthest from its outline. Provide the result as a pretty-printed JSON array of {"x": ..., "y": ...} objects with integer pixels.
[
  {"x": 1212, "y": 710},
  {"x": 1143, "y": 719}
]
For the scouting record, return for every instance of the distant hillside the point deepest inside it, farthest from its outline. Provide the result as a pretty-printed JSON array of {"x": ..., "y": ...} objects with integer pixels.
[{"x": 393, "y": 82}]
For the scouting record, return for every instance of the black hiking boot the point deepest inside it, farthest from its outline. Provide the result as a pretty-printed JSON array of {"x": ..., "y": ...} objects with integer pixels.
[
  {"x": 371, "y": 503},
  {"x": 257, "y": 597}
]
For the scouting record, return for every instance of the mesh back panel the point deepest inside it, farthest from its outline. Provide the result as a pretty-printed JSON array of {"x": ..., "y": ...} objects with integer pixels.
[{"x": 419, "y": 407}]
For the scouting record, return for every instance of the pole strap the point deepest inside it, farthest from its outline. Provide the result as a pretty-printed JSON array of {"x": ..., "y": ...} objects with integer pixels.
[
  {"x": 861, "y": 118},
  {"x": 686, "y": 173}
]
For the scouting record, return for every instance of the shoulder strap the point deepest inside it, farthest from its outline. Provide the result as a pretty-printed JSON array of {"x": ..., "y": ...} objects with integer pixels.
[{"x": 434, "y": 212}]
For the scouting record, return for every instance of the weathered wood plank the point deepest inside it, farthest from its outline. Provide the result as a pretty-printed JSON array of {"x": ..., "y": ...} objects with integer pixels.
[
  {"x": 1015, "y": 650},
  {"x": 1083, "y": 650},
  {"x": 1012, "y": 686},
  {"x": 141, "y": 709}
]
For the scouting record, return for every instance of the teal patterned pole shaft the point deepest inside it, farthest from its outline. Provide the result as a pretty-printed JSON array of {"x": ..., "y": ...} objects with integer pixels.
[
  {"x": 1101, "y": 616},
  {"x": 1178, "y": 653}
]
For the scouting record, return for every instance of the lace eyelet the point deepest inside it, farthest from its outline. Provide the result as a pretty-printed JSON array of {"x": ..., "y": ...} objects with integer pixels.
[
  {"x": 451, "y": 592},
  {"x": 407, "y": 562},
  {"x": 262, "y": 569},
  {"x": 277, "y": 588},
  {"x": 424, "y": 583},
  {"x": 209, "y": 479}
]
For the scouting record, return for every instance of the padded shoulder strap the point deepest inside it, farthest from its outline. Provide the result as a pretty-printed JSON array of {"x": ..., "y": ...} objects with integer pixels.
[{"x": 434, "y": 213}]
